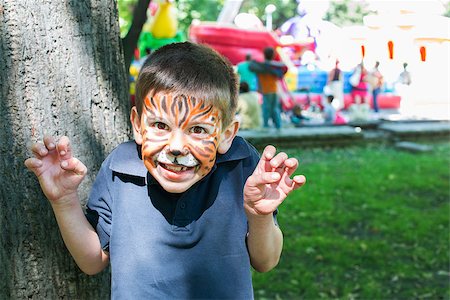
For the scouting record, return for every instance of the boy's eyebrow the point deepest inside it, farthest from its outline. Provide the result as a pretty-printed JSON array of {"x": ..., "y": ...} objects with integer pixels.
[
  {"x": 212, "y": 124},
  {"x": 153, "y": 117}
]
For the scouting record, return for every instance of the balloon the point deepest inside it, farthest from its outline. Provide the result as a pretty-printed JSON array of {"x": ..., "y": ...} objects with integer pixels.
[{"x": 165, "y": 22}]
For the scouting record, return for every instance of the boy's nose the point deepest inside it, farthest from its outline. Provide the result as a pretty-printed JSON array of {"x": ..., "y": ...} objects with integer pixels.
[{"x": 177, "y": 144}]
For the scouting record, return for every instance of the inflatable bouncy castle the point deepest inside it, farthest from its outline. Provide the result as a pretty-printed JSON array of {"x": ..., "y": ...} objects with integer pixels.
[{"x": 235, "y": 43}]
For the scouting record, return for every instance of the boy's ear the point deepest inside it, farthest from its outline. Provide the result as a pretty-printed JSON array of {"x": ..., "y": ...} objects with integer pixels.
[
  {"x": 136, "y": 123},
  {"x": 227, "y": 136}
]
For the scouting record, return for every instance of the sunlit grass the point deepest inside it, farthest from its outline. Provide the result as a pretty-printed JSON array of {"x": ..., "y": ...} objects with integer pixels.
[{"x": 371, "y": 223}]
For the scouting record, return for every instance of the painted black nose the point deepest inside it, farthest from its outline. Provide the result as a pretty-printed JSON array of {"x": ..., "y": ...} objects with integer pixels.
[{"x": 175, "y": 152}]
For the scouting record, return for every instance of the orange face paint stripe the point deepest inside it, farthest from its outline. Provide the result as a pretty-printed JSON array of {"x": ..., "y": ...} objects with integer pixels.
[
  {"x": 196, "y": 113},
  {"x": 183, "y": 109},
  {"x": 209, "y": 143},
  {"x": 200, "y": 151}
]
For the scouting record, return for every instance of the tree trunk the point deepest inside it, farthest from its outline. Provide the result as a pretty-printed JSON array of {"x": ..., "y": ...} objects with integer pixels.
[
  {"x": 61, "y": 73},
  {"x": 130, "y": 41}
]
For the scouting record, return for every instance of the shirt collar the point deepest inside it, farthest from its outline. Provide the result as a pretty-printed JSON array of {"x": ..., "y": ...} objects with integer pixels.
[{"x": 126, "y": 158}]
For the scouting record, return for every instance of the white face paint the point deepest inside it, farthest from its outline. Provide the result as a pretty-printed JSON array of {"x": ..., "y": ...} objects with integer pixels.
[{"x": 181, "y": 161}]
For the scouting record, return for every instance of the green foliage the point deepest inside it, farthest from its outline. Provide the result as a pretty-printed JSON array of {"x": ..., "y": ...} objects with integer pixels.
[
  {"x": 371, "y": 223},
  {"x": 447, "y": 9},
  {"x": 347, "y": 12},
  {"x": 125, "y": 15},
  {"x": 204, "y": 10},
  {"x": 285, "y": 10}
]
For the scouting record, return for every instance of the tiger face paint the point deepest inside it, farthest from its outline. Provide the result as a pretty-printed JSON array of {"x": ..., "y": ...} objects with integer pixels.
[{"x": 180, "y": 137}]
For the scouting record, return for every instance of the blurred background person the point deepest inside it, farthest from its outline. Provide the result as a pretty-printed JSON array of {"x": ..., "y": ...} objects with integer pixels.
[
  {"x": 269, "y": 73},
  {"x": 402, "y": 86},
  {"x": 359, "y": 110},
  {"x": 329, "y": 112},
  {"x": 404, "y": 77},
  {"x": 248, "y": 109},
  {"x": 336, "y": 86},
  {"x": 297, "y": 117},
  {"x": 376, "y": 82},
  {"x": 360, "y": 88},
  {"x": 246, "y": 75}
]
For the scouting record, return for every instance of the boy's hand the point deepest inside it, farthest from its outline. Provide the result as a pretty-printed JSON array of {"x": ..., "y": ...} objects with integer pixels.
[
  {"x": 270, "y": 183},
  {"x": 58, "y": 172}
]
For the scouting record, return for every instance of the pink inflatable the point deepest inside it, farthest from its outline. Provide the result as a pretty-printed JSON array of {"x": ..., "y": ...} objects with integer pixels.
[{"x": 234, "y": 43}]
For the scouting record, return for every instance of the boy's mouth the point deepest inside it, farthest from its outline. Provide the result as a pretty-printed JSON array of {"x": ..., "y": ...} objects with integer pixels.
[
  {"x": 176, "y": 163},
  {"x": 175, "y": 172},
  {"x": 175, "y": 168}
]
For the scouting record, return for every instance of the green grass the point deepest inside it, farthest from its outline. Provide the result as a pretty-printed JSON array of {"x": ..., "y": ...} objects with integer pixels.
[{"x": 371, "y": 223}]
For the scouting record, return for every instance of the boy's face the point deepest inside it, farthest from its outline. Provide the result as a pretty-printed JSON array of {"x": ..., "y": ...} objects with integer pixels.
[{"x": 180, "y": 138}]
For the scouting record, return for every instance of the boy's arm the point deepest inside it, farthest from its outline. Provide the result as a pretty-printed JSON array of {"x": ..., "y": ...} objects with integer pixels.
[
  {"x": 59, "y": 175},
  {"x": 264, "y": 191}
]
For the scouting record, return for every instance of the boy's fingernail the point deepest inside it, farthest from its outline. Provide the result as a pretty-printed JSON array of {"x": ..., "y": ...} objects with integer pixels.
[
  {"x": 51, "y": 145},
  {"x": 62, "y": 152},
  {"x": 64, "y": 164},
  {"x": 275, "y": 176}
]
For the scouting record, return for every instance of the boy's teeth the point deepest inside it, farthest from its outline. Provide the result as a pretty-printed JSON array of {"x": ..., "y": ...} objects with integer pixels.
[{"x": 175, "y": 168}]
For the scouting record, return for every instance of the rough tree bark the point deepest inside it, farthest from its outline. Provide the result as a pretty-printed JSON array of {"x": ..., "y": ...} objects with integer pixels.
[{"x": 61, "y": 73}]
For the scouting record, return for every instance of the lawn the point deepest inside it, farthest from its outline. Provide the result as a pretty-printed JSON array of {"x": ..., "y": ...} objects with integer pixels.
[{"x": 371, "y": 223}]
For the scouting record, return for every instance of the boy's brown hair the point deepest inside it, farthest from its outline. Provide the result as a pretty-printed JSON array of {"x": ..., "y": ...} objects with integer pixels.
[{"x": 193, "y": 70}]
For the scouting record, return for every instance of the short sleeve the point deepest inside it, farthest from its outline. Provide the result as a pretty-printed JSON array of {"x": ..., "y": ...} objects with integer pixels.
[{"x": 98, "y": 212}]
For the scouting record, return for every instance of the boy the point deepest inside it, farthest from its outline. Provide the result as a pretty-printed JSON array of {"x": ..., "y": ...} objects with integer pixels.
[{"x": 169, "y": 210}]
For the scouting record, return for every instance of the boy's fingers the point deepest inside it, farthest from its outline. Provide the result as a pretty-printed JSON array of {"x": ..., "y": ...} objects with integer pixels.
[
  {"x": 49, "y": 142},
  {"x": 299, "y": 180},
  {"x": 291, "y": 165},
  {"x": 33, "y": 163},
  {"x": 264, "y": 178},
  {"x": 278, "y": 160},
  {"x": 39, "y": 150},
  {"x": 294, "y": 183},
  {"x": 266, "y": 156},
  {"x": 268, "y": 153},
  {"x": 291, "y": 162},
  {"x": 64, "y": 149},
  {"x": 74, "y": 165}
]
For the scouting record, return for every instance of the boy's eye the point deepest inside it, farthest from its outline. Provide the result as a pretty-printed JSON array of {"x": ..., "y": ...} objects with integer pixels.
[
  {"x": 198, "y": 130},
  {"x": 160, "y": 126}
]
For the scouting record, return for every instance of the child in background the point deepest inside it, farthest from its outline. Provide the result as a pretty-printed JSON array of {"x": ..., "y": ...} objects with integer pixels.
[
  {"x": 186, "y": 208},
  {"x": 329, "y": 112},
  {"x": 297, "y": 117},
  {"x": 248, "y": 108}
]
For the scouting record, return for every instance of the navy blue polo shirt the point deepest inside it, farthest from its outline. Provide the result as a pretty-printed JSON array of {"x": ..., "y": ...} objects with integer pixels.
[{"x": 174, "y": 246}]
